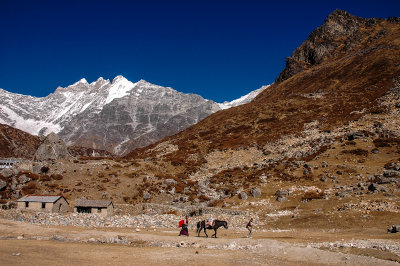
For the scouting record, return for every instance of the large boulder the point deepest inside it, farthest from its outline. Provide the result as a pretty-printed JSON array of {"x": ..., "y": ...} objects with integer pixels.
[
  {"x": 7, "y": 172},
  {"x": 23, "y": 179},
  {"x": 52, "y": 148}
]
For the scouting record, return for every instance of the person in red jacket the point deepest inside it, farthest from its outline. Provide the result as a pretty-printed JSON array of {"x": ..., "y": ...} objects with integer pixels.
[{"x": 184, "y": 227}]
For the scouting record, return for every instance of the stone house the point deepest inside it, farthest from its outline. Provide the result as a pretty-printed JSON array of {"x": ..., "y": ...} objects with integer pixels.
[
  {"x": 45, "y": 203},
  {"x": 102, "y": 207},
  {"x": 7, "y": 163}
]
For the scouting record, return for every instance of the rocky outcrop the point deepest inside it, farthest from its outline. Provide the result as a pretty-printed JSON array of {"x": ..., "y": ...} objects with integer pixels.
[
  {"x": 339, "y": 34},
  {"x": 52, "y": 148}
]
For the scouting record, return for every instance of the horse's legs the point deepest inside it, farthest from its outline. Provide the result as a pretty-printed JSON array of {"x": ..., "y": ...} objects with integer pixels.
[
  {"x": 215, "y": 233},
  {"x": 205, "y": 231}
]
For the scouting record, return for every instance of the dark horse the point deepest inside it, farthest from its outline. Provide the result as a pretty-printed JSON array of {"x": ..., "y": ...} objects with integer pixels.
[{"x": 217, "y": 224}]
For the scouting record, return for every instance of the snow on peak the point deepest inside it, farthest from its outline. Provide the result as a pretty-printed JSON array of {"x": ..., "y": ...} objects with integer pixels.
[
  {"x": 120, "y": 87},
  {"x": 118, "y": 78},
  {"x": 81, "y": 81},
  {"x": 99, "y": 80},
  {"x": 242, "y": 100}
]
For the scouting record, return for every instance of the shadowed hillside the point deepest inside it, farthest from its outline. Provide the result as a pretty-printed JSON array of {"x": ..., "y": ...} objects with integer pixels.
[{"x": 17, "y": 143}]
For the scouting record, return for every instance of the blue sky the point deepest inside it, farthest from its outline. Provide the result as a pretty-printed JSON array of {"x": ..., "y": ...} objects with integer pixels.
[{"x": 218, "y": 49}]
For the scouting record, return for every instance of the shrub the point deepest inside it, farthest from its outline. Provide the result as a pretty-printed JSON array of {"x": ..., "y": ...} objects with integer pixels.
[
  {"x": 45, "y": 178},
  {"x": 44, "y": 169},
  {"x": 203, "y": 198},
  {"x": 192, "y": 197},
  {"x": 215, "y": 203},
  {"x": 310, "y": 195},
  {"x": 359, "y": 152},
  {"x": 386, "y": 142},
  {"x": 29, "y": 174},
  {"x": 57, "y": 177},
  {"x": 30, "y": 188},
  {"x": 53, "y": 186}
]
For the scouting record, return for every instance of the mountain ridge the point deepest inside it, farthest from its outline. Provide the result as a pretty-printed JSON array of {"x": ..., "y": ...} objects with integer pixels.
[{"x": 116, "y": 115}]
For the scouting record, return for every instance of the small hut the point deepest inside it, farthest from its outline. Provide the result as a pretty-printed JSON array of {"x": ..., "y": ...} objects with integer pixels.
[
  {"x": 45, "y": 203},
  {"x": 102, "y": 207}
]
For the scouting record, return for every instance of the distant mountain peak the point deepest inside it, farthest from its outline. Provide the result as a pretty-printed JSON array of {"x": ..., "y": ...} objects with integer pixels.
[
  {"x": 116, "y": 116},
  {"x": 81, "y": 81}
]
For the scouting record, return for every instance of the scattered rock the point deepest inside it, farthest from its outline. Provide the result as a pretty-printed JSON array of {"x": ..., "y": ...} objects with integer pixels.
[
  {"x": 375, "y": 151},
  {"x": 282, "y": 192},
  {"x": 23, "y": 179},
  {"x": 3, "y": 184},
  {"x": 58, "y": 238},
  {"x": 255, "y": 192},
  {"x": 375, "y": 187},
  {"x": 391, "y": 173},
  {"x": 243, "y": 195},
  {"x": 7, "y": 172},
  {"x": 170, "y": 181},
  {"x": 263, "y": 179},
  {"x": 171, "y": 191},
  {"x": 281, "y": 198},
  {"x": 146, "y": 195}
]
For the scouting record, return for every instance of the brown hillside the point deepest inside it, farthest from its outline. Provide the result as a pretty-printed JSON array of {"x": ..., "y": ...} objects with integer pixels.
[
  {"x": 342, "y": 85},
  {"x": 17, "y": 143}
]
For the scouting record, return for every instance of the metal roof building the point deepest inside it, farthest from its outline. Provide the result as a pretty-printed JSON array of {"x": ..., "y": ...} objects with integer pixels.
[
  {"x": 45, "y": 203},
  {"x": 102, "y": 207}
]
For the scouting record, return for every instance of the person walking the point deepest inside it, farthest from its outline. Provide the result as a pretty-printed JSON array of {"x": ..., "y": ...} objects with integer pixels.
[
  {"x": 249, "y": 227},
  {"x": 184, "y": 227}
]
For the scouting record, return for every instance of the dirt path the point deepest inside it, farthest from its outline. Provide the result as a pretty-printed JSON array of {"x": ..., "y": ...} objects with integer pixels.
[{"x": 155, "y": 247}]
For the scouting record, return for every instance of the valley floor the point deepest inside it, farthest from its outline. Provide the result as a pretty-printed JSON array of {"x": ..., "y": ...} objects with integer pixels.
[{"x": 23, "y": 243}]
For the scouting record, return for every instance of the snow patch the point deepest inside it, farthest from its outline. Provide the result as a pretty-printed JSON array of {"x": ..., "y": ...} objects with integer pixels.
[
  {"x": 31, "y": 126},
  {"x": 119, "y": 88},
  {"x": 242, "y": 100}
]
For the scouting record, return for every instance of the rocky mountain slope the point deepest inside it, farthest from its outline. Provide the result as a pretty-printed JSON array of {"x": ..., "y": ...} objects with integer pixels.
[
  {"x": 342, "y": 95},
  {"x": 317, "y": 152},
  {"x": 116, "y": 116}
]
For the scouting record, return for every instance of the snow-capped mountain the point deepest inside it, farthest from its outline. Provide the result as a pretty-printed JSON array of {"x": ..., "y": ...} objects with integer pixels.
[
  {"x": 117, "y": 116},
  {"x": 242, "y": 100}
]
